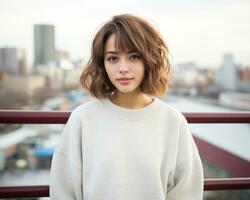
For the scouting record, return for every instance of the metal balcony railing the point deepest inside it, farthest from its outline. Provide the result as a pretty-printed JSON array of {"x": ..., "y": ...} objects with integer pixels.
[{"x": 60, "y": 117}]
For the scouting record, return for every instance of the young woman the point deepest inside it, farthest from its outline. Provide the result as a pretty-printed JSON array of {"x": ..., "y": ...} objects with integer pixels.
[{"x": 126, "y": 144}]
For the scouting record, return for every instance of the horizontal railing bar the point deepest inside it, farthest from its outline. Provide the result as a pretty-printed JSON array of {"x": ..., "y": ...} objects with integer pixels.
[
  {"x": 43, "y": 190},
  {"x": 227, "y": 184},
  {"x": 33, "y": 117},
  {"x": 61, "y": 117},
  {"x": 218, "y": 117},
  {"x": 24, "y": 191}
]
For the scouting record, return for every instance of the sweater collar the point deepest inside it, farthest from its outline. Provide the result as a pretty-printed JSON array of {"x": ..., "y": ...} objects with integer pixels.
[{"x": 131, "y": 114}]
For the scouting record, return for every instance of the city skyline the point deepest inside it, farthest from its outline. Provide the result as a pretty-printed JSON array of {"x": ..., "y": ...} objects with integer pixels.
[{"x": 194, "y": 31}]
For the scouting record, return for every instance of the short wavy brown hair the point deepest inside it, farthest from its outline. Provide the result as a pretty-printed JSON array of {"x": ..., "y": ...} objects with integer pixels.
[{"x": 132, "y": 32}]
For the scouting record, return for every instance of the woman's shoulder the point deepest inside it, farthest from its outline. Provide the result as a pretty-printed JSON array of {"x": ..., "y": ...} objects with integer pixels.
[
  {"x": 171, "y": 112},
  {"x": 84, "y": 108}
]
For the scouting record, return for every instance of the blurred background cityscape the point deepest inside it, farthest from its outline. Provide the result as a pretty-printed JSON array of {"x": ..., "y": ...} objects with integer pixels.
[{"x": 44, "y": 48}]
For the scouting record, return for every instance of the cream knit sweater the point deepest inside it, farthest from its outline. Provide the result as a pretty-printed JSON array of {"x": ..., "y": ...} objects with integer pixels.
[{"x": 107, "y": 152}]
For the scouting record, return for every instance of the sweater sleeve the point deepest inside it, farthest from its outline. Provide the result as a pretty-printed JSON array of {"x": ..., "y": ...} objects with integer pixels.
[
  {"x": 187, "y": 178},
  {"x": 66, "y": 164}
]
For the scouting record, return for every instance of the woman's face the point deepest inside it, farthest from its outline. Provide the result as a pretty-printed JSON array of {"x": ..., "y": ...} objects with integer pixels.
[{"x": 123, "y": 65}]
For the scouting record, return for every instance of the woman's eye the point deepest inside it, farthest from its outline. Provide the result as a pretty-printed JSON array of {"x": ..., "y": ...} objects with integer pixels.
[
  {"x": 135, "y": 57},
  {"x": 112, "y": 59}
]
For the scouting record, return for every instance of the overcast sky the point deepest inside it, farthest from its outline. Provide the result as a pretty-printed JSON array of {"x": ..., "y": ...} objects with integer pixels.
[{"x": 199, "y": 31}]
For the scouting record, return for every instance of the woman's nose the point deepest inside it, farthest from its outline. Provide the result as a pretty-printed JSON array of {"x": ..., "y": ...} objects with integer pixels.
[{"x": 123, "y": 66}]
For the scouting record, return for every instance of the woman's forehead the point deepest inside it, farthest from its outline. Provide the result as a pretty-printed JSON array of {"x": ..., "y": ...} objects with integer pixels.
[{"x": 120, "y": 45}]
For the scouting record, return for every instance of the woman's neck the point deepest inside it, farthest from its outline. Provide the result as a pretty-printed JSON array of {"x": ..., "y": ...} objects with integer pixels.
[{"x": 131, "y": 101}]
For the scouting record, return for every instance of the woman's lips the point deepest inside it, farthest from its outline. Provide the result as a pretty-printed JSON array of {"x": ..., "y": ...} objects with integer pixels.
[{"x": 125, "y": 81}]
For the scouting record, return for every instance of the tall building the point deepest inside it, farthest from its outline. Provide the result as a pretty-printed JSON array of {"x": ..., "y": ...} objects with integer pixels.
[
  {"x": 13, "y": 61},
  {"x": 244, "y": 79},
  {"x": 226, "y": 77},
  {"x": 44, "y": 44}
]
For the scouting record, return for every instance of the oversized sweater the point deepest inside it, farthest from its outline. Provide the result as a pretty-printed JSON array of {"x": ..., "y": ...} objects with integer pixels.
[{"x": 108, "y": 152}]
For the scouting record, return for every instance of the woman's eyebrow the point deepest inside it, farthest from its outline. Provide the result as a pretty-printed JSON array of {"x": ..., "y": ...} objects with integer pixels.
[
  {"x": 132, "y": 51},
  {"x": 111, "y": 52},
  {"x": 115, "y": 52}
]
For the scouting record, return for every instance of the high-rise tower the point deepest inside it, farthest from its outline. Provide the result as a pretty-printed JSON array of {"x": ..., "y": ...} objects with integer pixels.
[
  {"x": 44, "y": 44},
  {"x": 226, "y": 77}
]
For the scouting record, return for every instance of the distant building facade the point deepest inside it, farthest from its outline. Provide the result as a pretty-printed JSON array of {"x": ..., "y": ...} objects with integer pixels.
[
  {"x": 244, "y": 79},
  {"x": 232, "y": 77},
  {"x": 25, "y": 85},
  {"x": 60, "y": 54},
  {"x": 44, "y": 44},
  {"x": 13, "y": 61},
  {"x": 226, "y": 77}
]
